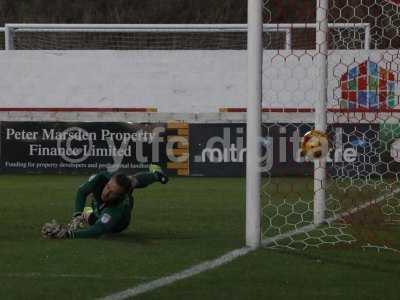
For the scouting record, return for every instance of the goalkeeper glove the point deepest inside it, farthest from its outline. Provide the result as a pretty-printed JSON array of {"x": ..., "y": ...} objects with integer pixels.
[
  {"x": 158, "y": 173},
  {"x": 63, "y": 233},
  {"x": 53, "y": 230},
  {"x": 81, "y": 219},
  {"x": 76, "y": 223}
]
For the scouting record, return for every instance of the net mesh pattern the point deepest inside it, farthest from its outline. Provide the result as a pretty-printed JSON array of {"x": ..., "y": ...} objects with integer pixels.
[{"x": 363, "y": 164}]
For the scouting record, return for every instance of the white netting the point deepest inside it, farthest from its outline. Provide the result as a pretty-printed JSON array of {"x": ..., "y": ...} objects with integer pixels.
[
  {"x": 362, "y": 188},
  {"x": 128, "y": 40},
  {"x": 2, "y": 46},
  {"x": 163, "y": 38}
]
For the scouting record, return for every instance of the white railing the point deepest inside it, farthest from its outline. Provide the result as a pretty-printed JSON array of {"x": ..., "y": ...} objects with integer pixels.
[{"x": 11, "y": 29}]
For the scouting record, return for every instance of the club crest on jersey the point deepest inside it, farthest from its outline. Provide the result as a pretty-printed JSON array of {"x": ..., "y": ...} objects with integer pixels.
[{"x": 105, "y": 218}]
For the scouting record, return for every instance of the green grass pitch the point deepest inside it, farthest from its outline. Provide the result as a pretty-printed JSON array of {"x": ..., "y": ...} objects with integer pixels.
[{"x": 175, "y": 226}]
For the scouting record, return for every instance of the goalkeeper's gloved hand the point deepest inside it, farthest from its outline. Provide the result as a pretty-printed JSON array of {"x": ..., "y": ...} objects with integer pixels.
[
  {"x": 53, "y": 230},
  {"x": 49, "y": 229},
  {"x": 77, "y": 222},
  {"x": 82, "y": 219},
  {"x": 158, "y": 173},
  {"x": 63, "y": 232}
]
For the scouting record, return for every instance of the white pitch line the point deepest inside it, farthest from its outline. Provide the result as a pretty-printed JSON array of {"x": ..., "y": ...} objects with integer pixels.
[{"x": 163, "y": 281}]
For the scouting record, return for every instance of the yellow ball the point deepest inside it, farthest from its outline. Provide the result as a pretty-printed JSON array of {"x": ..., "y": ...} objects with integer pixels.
[{"x": 315, "y": 145}]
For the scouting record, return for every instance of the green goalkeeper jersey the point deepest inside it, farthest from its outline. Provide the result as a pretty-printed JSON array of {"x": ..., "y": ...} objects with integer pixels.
[{"x": 106, "y": 218}]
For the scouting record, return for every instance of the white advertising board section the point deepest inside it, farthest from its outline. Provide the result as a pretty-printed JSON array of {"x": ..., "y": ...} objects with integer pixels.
[{"x": 172, "y": 81}]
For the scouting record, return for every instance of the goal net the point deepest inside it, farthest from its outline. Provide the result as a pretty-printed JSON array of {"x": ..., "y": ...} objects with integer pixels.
[
  {"x": 139, "y": 37},
  {"x": 359, "y": 199}
]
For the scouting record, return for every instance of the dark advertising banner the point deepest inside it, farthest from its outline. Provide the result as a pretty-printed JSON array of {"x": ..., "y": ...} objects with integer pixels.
[
  {"x": 85, "y": 146},
  {"x": 220, "y": 149},
  {"x": 355, "y": 150}
]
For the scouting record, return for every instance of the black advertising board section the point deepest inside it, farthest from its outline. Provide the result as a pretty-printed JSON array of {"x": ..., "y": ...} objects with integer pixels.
[
  {"x": 211, "y": 153},
  {"x": 219, "y": 149},
  {"x": 355, "y": 150},
  {"x": 65, "y": 147}
]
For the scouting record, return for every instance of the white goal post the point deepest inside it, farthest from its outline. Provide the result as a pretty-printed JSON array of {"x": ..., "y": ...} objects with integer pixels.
[
  {"x": 254, "y": 107},
  {"x": 253, "y": 171}
]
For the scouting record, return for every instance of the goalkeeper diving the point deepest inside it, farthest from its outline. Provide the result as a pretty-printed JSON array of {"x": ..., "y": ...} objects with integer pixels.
[{"x": 111, "y": 207}]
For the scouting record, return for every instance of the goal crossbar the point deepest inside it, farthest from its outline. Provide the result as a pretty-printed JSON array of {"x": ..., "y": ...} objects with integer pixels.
[
  {"x": 286, "y": 28},
  {"x": 172, "y": 27}
]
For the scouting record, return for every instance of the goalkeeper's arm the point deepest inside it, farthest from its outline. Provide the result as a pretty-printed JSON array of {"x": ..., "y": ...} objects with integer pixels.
[
  {"x": 93, "y": 231},
  {"x": 144, "y": 179},
  {"x": 97, "y": 227},
  {"x": 82, "y": 193},
  {"x": 53, "y": 230}
]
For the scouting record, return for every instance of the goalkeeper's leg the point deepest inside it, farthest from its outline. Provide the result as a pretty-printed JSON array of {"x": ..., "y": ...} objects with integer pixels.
[{"x": 155, "y": 173}]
